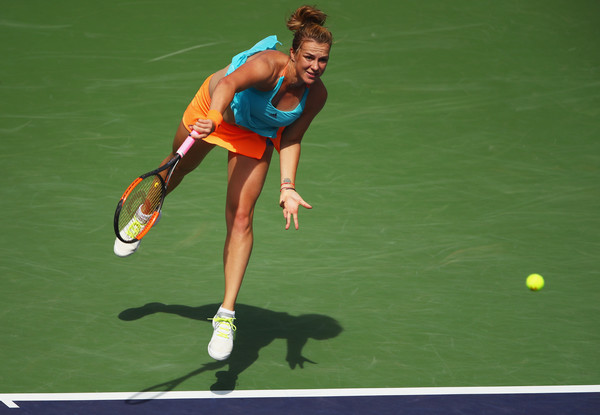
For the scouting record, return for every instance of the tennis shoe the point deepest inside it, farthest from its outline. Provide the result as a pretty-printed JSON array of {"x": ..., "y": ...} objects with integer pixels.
[
  {"x": 221, "y": 343},
  {"x": 123, "y": 249}
]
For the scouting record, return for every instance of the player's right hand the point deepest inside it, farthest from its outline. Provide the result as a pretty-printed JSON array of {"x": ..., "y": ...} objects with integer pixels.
[{"x": 202, "y": 129}]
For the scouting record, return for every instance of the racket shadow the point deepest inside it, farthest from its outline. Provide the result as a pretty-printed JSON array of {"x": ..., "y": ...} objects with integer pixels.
[{"x": 257, "y": 328}]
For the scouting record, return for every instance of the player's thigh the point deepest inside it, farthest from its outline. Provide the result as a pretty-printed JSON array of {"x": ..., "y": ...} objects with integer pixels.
[
  {"x": 246, "y": 178},
  {"x": 195, "y": 154}
]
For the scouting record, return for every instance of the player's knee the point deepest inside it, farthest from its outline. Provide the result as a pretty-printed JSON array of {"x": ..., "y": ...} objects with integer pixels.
[
  {"x": 240, "y": 221},
  {"x": 183, "y": 169}
]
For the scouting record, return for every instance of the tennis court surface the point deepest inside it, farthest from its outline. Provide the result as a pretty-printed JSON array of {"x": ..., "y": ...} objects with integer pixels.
[{"x": 458, "y": 153}]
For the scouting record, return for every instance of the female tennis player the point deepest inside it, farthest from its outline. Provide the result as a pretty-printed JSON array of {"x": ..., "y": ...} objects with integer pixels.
[{"x": 264, "y": 99}]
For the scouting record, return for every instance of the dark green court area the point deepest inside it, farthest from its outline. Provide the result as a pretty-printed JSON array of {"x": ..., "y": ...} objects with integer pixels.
[{"x": 458, "y": 153}]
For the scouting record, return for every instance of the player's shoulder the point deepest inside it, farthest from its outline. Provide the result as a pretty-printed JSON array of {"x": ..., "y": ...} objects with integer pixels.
[
  {"x": 318, "y": 91},
  {"x": 317, "y": 97},
  {"x": 271, "y": 57},
  {"x": 268, "y": 61}
]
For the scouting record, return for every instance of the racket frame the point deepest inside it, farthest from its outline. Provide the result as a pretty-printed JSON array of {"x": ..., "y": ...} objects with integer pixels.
[{"x": 171, "y": 164}]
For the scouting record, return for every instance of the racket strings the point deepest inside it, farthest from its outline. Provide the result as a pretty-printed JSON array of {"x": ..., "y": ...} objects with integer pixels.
[{"x": 138, "y": 207}]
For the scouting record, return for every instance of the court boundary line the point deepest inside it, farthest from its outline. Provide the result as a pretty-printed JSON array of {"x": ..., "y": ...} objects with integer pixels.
[
  {"x": 178, "y": 52},
  {"x": 9, "y": 399}
]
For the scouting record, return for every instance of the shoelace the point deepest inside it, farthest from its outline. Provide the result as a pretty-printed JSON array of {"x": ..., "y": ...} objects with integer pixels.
[
  {"x": 133, "y": 230},
  {"x": 225, "y": 326}
]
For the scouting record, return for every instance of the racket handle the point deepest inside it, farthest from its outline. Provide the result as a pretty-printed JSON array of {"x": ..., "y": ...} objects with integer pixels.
[{"x": 187, "y": 144}]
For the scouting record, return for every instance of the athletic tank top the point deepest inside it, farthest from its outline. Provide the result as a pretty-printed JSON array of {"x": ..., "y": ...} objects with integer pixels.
[{"x": 254, "y": 109}]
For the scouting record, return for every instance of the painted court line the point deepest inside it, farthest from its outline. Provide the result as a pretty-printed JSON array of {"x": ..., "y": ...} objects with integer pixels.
[
  {"x": 183, "y": 51},
  {"x": 10, "y": 399}
]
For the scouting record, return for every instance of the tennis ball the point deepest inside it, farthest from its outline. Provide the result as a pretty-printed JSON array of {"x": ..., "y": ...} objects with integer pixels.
[{"x": 535, "y": 282}]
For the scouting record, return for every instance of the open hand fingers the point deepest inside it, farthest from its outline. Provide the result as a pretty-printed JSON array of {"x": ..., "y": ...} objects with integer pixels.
[
  {"x": 288, "y": 219},
  {"x": 290, "y": 204}
]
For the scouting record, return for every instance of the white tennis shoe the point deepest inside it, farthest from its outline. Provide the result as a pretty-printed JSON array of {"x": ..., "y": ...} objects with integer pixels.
[
  {"x": 123, "y": 249},
  {"x": 221, "y": 343}
]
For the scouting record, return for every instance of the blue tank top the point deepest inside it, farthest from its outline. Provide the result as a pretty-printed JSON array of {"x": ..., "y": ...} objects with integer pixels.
[{"x": 254, "y": 109}]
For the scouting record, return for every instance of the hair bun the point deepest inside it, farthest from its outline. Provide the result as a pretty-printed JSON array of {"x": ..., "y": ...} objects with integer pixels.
[{"x": 306, "y": 16}]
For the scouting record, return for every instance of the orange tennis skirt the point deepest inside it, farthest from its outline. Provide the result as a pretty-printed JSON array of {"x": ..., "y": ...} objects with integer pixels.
[{"x": 230, "y": 136}]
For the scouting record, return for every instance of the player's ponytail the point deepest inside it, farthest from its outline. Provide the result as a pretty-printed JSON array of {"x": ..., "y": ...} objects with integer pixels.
[{"x": 307, "y": 23}]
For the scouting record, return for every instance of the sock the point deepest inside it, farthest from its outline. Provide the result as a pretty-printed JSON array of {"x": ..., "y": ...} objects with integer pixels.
[
  {"x": 141, "y": 215},
  {"x": 223, "y": 312}
]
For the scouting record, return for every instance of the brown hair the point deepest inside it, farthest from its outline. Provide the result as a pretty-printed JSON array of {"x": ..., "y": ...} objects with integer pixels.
[{"x": 307, "y": 23}]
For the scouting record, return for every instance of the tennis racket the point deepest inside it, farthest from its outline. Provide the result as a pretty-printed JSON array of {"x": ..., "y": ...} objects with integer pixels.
[{"x": 140, "y": 205}]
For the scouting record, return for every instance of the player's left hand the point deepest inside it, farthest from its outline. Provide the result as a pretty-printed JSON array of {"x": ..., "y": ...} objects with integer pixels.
[
  {"x": 298, "y": 361},
  {"x": 291, "y": 201}
]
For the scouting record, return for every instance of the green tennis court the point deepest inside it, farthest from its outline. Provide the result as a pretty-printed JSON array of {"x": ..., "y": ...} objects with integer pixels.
[{"x": 457, "y": 154}]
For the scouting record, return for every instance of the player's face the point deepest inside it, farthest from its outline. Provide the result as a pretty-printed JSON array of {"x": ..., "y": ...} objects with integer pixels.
[{"x": 311, "y": 60}]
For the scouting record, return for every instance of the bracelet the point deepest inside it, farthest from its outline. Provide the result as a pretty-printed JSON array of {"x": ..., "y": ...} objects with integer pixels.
[
  {"x": 216, "y": 117},
  {"x": 287, "y": 188}
]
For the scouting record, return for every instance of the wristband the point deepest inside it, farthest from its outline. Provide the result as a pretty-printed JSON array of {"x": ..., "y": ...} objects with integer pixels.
[{"x": 216, "y": 117}]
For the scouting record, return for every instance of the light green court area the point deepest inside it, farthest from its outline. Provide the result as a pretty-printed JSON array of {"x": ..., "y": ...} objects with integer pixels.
[{"x": 457, "y": 154}]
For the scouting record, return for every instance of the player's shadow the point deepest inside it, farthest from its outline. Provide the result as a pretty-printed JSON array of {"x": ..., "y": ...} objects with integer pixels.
[{"x": 257, "y": 328}]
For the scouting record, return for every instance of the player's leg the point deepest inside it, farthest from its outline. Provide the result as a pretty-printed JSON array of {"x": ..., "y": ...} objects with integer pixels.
[
  {"x": 246, "y": 177},
  {"x": 192, "y": 159}
]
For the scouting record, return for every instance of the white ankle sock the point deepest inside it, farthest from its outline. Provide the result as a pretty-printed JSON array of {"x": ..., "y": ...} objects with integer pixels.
[
  {"x": 141, "y": 215},
  {"x": 225, "y": 312}
]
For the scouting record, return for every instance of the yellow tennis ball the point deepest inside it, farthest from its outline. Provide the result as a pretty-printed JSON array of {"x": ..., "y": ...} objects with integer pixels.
[{"x": 535, "y": 282}]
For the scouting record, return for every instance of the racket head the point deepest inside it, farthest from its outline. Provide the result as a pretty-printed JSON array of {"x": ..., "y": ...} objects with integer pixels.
[{"x": 148, "y": 191}]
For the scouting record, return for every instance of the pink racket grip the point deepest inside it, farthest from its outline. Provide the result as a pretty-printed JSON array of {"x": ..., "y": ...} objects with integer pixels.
[{"x": 187, "y": 144}]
